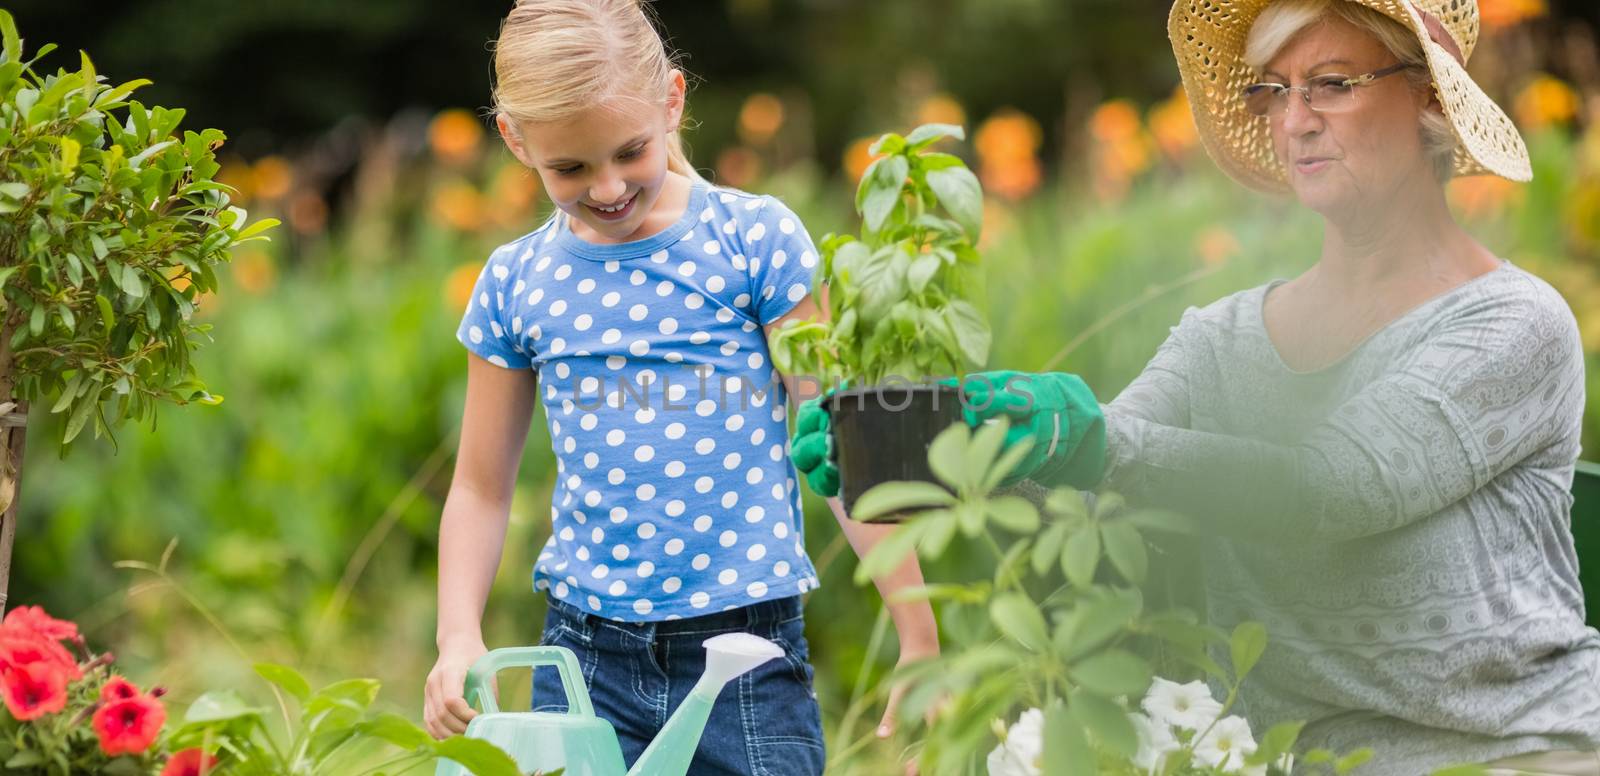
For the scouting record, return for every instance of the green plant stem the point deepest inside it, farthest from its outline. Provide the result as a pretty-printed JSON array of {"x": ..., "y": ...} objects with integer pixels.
[{"x": 856, "y": 706}]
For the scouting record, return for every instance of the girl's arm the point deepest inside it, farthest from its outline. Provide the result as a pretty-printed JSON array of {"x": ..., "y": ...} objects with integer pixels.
[
  {"x": 913, "y": 620},
  {"x": 494, "y": 428}
]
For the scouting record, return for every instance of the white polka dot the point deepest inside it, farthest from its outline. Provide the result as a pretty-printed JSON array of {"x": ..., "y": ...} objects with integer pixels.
[
  {"x": 706, "y": 215},
  {"x": 724, "y": 315},
  {"x": 475, "y": 334},
  {"x": 533, "y": 298},
  {"x": 700, "y": 562},
  {"x": 637, "y": 278},
  {"x": 594, "y": 603},
  {"x": 617, "y": 588},
  {"x": 674, "y": 357},
  {"x": 644, "y": 415},
  {"x": 542, "y": 265},
  {"x": 638, "y": 312},
  {"x": 686, "y": 269},
  {"x": 705, "y": 407},
  {"x": 731, "y": 460},
  {"x": 611, "y": 336},
  {"x": 589, "y": 384},
  {"x": 557, "y": 345},
  {"x": 561, "y": 590},
  {"x": 592, "y": 498},
  {"x": 675, "y": 469},
  {"x": 780, "y": 569},
  {"x": 706, "y": 445},
  {"x": 494, "y": 326},
  {"x": 643, "y": 606},
  {"x": 776, "y": 453},
  {"x": 760, "y": 434},
  {"x": 558, "y": 307},
  {"x": 756, "y": 589},
  {"x": 699, "y": 338},
  {"x": 777, "y": 490},
  {"x": 780, "y": 530},
  {"x": 567, "y": 535},
  {"x": 729, "y": 499},
  {"x": 618, "y": 514},
  {"x": 754, "y": 476},
  {"x": 570, "y": 445},
  {"x": 647, "y": 530},
  {"x": 616, "y": 437},
  {"x": 563, "y": 272},
  {"x": 756, "y": 232},
  {"x": 671, "y": 584},
  {"x": 755, "y": 265},
  {"x": 729, "y": 348},
  {"x": 616, "y": 362},
  {"x": 728, "y": 576},
  {"x": 755, "y": 360},
  {"x": 600, "y": 571},
  {"x": 673, "y": 546},
  {"x": 582, "y": 554},
  {"x": 645, "y": 492},
  {"x": 730, "y": 227},
  {"x": 756, "y": 552},
  {"x": 616, "y": 476},
  {"x": 754, "y": 514},
  {"x": 668, "y": 325},
  {"x": 675, "y": 430},
  {"x": 694, "y": 301},
  {"x": 639, "y": 347},
  {"x": 664, "y": 288},
  {"x": 702, "y": 523},
  {"x": 567, "y": 407},
  {"x": 779, "y": 258},
  {"x": 645, "y": 569},
  {"x": 797, "y": 292},
  {"x": 742, "y": 300},
  {"x": 591, "y": 459},
  {"x": 704, "y": 485},
  {"x": 562, "y": 370},
  {"x": 712, "y": 247},
  {"x": 715, "y": 284},
  {"x": 611, "y": 299},
  {"x": 659, "y": 257},
  {"x": 597, "y": 536},
  {"x": 620, "y": 552},
  {"x": 699, "y": 600},
  {"x": 728, "y": 539},
  {"x": 808, "y": 259},
  {"x": 586, "y": 286},
  {"x": 644, "y": 453},
  {"x": 498, "y": 361},
  {"x": 676, "y": 393}
]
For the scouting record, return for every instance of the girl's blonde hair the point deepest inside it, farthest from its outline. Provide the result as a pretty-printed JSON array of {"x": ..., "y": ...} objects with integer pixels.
[
  {"x": 555, "y": 58},
  {"x": 1283, "y": 20}
]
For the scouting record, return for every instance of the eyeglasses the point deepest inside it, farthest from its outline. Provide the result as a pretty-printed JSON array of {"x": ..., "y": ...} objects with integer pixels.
[{"x": 1325, "y": 93}]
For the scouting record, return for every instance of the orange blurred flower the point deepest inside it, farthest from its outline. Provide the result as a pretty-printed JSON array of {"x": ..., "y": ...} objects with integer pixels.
[
  {"x": 513, "y": 193},
  {"x": 458, "y": 287},
  {"x": 738, "y": 166},
  {"x": 1546, "y": 101},
  {"x": 1172, "y": 124},
  {"x": 760, "y": 118},
  {"x": 941, "y": 108},
  {"x": 1215, "y": 245},
  {"x": 454, "y": 135},
  {"x": 458, "y": 205},
  {"x": 1121, "y": 150},
  {"x": 858, "y": 156},
  {"x": 1008, "y": 145},
  {"x": 308, "y": 213},
  {"x": 1114, "y": 120},
  {"x": 254, "y": 270},
  {"x": 1482, "y": 196},
  {"x": 1582, "y": 216},
  {"x": 271, "y": 177},
  {"x": 236, "y": 172},
  {"x": 1500, "y": 14}
]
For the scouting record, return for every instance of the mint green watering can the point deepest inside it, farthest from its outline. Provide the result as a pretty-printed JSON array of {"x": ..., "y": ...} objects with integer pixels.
[{"x": 586, "y": 745}]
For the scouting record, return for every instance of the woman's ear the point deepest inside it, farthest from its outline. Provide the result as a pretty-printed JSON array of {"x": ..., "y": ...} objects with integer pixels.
[
  {"x": 513, "y": 138},
  {"x": 676, "y": 89}
]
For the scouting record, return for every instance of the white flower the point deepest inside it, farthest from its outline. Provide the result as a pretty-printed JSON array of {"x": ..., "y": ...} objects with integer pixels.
[
  {"x": 1189, "y": 706},
  {"x": 1226, "y": 746},
  {"x": 1022, "y": 751},
  {"x": 1155, "y": 742}
]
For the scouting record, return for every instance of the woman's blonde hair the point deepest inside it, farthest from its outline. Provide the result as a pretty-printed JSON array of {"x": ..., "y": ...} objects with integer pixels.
[
  {"x": 555, "y": 58},
  {"x": 1283, "y": 20}
]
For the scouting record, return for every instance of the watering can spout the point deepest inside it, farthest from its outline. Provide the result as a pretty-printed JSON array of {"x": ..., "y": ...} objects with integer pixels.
[{"x": 728, "y": 656}]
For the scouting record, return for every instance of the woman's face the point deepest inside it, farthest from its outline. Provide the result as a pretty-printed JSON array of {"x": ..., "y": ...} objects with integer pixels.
[
  {"x": 1337, "y": 162},
  {"x": 605, "y": 166}
]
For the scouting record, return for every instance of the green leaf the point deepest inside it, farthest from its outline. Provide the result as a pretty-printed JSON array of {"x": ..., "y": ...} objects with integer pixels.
[
  {"x": 219, "y": 706},
  {"x": 13, "y": 44},
  {"x": 890, "y": 551},
  {"x": 26, "y": 758},
  {"x": 892, "y": 497},
  {"x": 883, "y": 182},
  {"x": 927, "y": 134},
  {"x": 287, "y": 678},
  {"x": 1112, "y": 672},
  {"x": 941, "y": 528},
  {"x": 1352, "y": 761},
  {"x": 1468, "y": 769},
  {"x": 256, "y": 231},
  {"x": 68, "y": 393},
  {"x": 396, "y": 730},
  {"x": 1249, "y": 641},
  {"x": 1162, "y": 521},
  {"x": 1100, "y": 617},
  {"x": 1019, "y": 618},
  {"x": 1081, "y": 555},
  {"x": 960, "y": 194},
  {"x": 947, "y": 454},
  {"x": 1125, "y": 549},
  {"x": 1014, "y": 513},
  {"x": 972, "y": 331},
  {"x": 1066, "y": 503},
  {"x": 1106, "y": 720},
  {"x": 1066, "y": 747},
  {"x": 923, "y": 268},
  {"x": 1278, "y": 741},
  {"x": 478, "y": 756},
  {"x": 1047, "y": 548}
]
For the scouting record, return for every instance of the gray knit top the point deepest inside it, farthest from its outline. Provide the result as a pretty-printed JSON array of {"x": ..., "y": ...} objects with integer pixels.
[{"x": 1398, "y": 520}]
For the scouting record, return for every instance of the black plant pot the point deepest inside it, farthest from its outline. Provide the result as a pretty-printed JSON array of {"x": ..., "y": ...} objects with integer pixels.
[{"x": 882, "y": 434}]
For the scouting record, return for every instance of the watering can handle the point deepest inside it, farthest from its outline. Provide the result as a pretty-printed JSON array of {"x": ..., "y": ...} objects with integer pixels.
[{"x": 493, "y": 662}]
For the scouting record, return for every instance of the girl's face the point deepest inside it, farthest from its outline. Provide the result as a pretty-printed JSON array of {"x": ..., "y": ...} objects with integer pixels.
[{"x": 607, "y": 165}]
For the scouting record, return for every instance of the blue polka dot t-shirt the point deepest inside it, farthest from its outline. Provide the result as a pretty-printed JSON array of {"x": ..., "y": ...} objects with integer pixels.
[{"x": 675, "y": 495}]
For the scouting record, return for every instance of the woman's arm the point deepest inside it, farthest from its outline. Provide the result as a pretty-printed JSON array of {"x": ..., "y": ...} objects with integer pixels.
[{"x": 1490, "y": 387}]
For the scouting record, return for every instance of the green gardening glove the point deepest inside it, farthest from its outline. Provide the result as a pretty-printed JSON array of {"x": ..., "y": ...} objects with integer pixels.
[
  {"x": 812, "y": 447},
  {"x": 1054, "y": 409}
]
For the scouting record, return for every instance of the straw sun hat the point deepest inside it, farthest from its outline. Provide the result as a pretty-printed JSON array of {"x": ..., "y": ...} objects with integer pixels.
[{"x": 1208, "y": 37}]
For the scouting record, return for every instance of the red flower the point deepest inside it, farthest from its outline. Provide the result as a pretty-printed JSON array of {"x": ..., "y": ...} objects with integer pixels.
[
  {"x": 129, "y": 726},
  {"x": 118, "y": 689},
  {"x": 33, "y": 690},
  {"x": 25, "y": 647},
  {"x": 34, "y": 619},
  {"x": 190, "y": 762}
]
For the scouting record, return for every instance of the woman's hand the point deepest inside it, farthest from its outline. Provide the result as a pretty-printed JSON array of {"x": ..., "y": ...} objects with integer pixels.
[
  {"x": 1055, "y": 410},
  {"x": 812, "y": 448},
  {"x": 444, "y": 711}
]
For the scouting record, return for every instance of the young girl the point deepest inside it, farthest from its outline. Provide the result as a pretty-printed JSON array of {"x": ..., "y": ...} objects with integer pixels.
[{"x": 638, "y": 314}]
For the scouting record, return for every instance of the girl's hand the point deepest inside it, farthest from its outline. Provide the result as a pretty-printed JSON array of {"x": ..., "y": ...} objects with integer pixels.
[{"x": 444, "y": 711}]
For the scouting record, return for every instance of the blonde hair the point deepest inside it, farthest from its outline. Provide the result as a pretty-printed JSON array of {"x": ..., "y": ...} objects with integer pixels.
[
  {"x": 555, "y": 58},
  {"x": 1283, "y": 20}
]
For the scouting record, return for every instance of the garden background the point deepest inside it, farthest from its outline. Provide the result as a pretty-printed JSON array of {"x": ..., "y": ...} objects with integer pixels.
[{"x": 305, "y": 506}]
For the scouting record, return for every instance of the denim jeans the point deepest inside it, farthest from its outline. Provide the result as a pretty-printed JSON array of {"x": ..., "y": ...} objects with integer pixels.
[{"x": 765, "y": 723}]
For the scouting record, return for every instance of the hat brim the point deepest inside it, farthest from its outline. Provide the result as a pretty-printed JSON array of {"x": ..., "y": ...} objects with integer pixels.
[{"x": 1208, "y": 39}]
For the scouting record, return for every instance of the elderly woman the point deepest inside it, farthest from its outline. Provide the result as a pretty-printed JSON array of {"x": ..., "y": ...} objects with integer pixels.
[{"x": 1382, "y": 447}]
